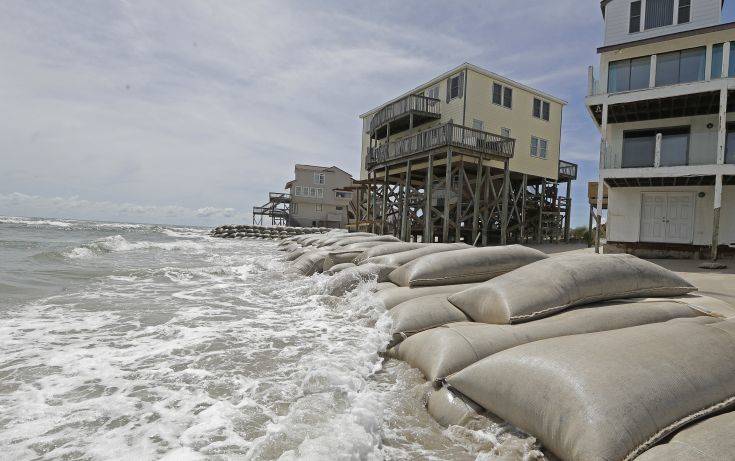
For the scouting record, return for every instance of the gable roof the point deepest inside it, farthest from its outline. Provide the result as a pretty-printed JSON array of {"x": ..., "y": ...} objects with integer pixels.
[
  {"x": 604, "y": 3},
  {"x": 323, "y": 168}
]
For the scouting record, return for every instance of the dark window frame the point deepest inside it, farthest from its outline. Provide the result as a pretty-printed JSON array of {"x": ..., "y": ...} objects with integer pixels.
[
  {"x": 684, "y": 15},
  {"x": 679, "y": 68},
  {"x": 541, "y": 109},
  {"x": 634, "y": 24},
  {"x": 454, "y": 88},
  {"x": 629, "y": 66},
  {"x": 651, "y": 133},
  {"x": 505, "y": 93},
  {"x": 497, "y": 94}
]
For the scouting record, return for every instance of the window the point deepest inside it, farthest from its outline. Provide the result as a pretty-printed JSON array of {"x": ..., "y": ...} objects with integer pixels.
[
  {"x": 659, "y": 13},
  {"x": 497, "y": 94},
  {"x": 539, "y": 147},
  {"x": 685, "y": 9},
  {"x": 297, "y": 190},
  {"x": 454, "y": 86},
  {"x": 339, "y": 208},
  {"x": 635, "y": 17},
  {"x": 639, "y": 147},
  {"x": 629, "y": 74},
  {"x": 318, "y": 178},
  {"x": 319, "y": 192},
  {"x": 317, "y": 207},
  {"x": 541, "y": 109},
  {"x": 477, "y": 124},
  {"x": 674, "y": 146},
  {"x": 681, "y": 66},
  {"x": 731, "y": 69},
  {"x": 341, "y": 194},
  {"x": 505, "y": 132},
  {"x": 294, "y": 208},
  {"x": 730, "y": 144},
  {"x": 716, "y": 61},
  {"x": 502, "y": 95},
  {"x": 432, "y": 92},
  {"x": 508, "y": 97}
]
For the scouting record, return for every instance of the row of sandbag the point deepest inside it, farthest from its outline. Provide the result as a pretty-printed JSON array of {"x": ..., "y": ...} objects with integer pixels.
[
  {"x": 599, "y": 357},
  {"x": 275, "y": 232},
  {"x": 576, "y": 298}
]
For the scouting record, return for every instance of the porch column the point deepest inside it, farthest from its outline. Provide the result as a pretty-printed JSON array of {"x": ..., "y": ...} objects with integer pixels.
[
  {"x": 476, "y": 203},
  {"x": 721, "y": 140},
  {"x": 601, "y": 178},
  {"x": 589, "y": 226},
  {"x": 522, "y": 228},
  {"x": 385, "y": 201},
  {"x": 542, "y": 199}
]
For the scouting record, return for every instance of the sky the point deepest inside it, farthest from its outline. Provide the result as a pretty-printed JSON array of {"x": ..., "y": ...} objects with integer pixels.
[{"x": 191, "y": 111}]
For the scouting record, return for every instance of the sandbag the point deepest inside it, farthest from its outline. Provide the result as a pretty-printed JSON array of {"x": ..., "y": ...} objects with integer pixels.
[
  {"x": 562, "y": 282},
  {"x": 331, "y": 240},
  {"x": 448, "y": 349},
  {"x": 373, "y": 238},
  {"x": 311, "y": 262},
  {"x": 338, "y": 257},
  {"x": 712, "y": 439},
  {"x": 362, "y": 245},
  {"x": 450, "y": 408},
  {"x": 419, "y": 314},
  {"x": 387, "y": 249},
  {"x": 468, "y": 265},
  {"x": 395, "y": 296},
  {"x": 295, "y": 254},
  {"x": 384, "y": 286},
  {"x": 399, "y": 259},
  {"x": 350, "y": 278},
  {"x": 337, "y": 268},
  {"x": 609, "y": 395}
]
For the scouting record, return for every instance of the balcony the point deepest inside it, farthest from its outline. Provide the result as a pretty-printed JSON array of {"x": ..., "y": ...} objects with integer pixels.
[
  {"x": 567, "y": 171},
  {"x": 449, "y": 134},
  {"x": 411, "y": 111},
  {"x": 279, "y": 197}
]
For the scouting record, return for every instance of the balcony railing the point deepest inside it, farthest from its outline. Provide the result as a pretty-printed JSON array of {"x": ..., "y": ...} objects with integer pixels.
[
  {"x": 445, "y": 135},
  {"x": 411, "y": 103},
  {"x": 279, "y": 197},
  {"x": 567, "y": 170}
]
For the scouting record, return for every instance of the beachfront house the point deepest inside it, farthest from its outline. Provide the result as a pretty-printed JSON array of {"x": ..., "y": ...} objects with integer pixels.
[
  {"x": 318, "y": 198},
  {"x": 662, "y": 98},
  {"x": 468, "y": 153}
]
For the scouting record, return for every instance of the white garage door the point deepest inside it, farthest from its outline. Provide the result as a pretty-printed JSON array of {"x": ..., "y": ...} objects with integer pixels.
[{"x": 667, "y": 217}]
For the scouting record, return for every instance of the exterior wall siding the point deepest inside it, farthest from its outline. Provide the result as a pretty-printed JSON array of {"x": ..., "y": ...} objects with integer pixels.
[
  {"x": 704, "y": 13},
  {"x": 624, "y": 213},
  {"x": 521, "y": 122}
]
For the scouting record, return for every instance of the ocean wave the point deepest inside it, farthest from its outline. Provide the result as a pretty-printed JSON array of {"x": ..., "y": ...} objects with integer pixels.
[
  {"x": 33, "y": 222},
  {"x": 118, "y": 243}
]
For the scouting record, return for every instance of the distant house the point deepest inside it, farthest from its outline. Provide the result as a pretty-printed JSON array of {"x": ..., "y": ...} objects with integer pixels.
[
  {"x": 316, "y": 198},
  {"x": 664, "y": 106}
]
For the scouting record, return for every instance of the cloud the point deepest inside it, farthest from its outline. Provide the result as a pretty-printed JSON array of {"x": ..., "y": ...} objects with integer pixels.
[{"x": 75, "y": 207}]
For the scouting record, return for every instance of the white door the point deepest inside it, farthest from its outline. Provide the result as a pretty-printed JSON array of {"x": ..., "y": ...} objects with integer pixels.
[
  {"x": 653, "y": 217},
  {"x": 680, "y": 217},
  {"x": 667, "y": 217}
]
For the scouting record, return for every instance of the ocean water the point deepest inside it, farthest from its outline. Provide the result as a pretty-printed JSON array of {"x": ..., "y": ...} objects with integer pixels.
[{"x": 130, "y": 341}]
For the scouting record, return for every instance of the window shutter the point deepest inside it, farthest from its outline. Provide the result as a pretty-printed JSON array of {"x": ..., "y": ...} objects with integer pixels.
[
  {"x": 449, "y": 88},
  {"x": 461, "y": 85}
]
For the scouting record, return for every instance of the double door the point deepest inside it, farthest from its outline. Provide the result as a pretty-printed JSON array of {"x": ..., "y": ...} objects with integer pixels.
[{"x": 667, "y": 217}]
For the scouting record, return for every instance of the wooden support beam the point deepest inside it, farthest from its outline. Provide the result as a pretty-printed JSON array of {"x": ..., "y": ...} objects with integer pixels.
[
  {"x": 568, "y": 213},
  {"x": 458, "y": 209},
  {"x": 428, "y": 221},
  {"x": 542, "y": 199},
  {"x": 476, "y": 201},
  {"x": 447, "y": 193},
  {"x": 504, "y": 212},
  {"x": 589, "y": 227},
  {"x": 405, "y": 226},
  {"x": 522, "y": 229},
  {"x": 384, "y": 211},
  {"x": 601, "y": 178},
  {"x": 486, "y": 205}
]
